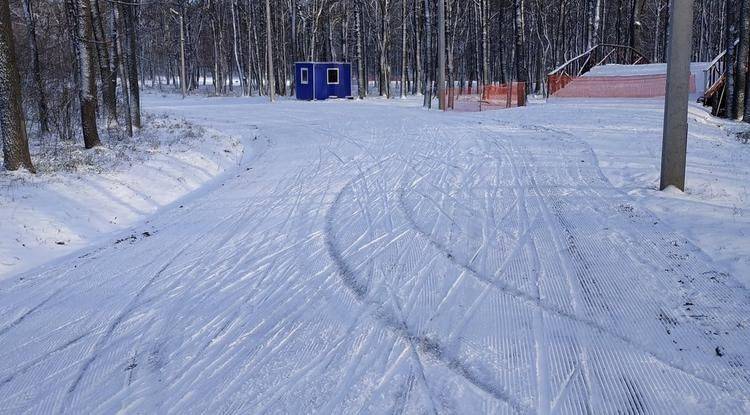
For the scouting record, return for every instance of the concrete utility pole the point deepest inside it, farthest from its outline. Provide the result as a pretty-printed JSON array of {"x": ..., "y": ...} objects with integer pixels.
[
  {"x": 441, "y": 54},
  {"x": 183, "y": 81},
  {"x": 269, "y": 46},
  {"x": 674, "y": 144}
]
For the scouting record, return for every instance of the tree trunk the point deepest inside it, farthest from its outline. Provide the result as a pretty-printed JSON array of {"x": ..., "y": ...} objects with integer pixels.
[
  {"x": 130, "y": 16},
  {"x": 12, "y": 124},
  {"x": 80, "y": 15},
  {"x": 484, "y": 6},
  {"x": 403, "y": 48},
  {"x": 743, "y": 53},
  {"x": 428, "y": 58},
  {"x": 106, "y": 74},
  {"x": 522, "y": 73},
  {"x": 38, "y": 81},
  {"x": 636, "y": 25},
  {"x": 269, "y": 53},
  {"x": 441, "y": 54},
  {"x": 418, "y": 87},
  {"x": 361, "y": 81},
  {"x": 236, "y": 46},
  {"x": 731, "y": 59},
  {"x": 385, "y": 84},
  {"x": 119, "y": 52}
]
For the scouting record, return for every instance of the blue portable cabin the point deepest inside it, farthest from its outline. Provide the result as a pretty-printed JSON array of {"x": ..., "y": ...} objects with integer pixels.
[{"x": 323, "y": 80}]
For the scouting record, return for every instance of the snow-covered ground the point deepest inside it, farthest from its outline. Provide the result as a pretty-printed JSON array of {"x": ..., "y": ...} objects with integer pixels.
[
  {"x": 646, "y": 69},
  {"x": 376, "y": 257},
  {"x": 82, "y": 196},
  {"x": 626, "y": 135}
]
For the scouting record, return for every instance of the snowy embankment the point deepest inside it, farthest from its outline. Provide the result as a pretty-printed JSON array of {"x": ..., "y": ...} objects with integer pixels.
[{"x": 80, "y": 197}]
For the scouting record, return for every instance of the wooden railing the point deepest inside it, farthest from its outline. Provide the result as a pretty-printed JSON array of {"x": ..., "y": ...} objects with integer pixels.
[
  {"x": 602, "y": 54},
  {"x": 715, "y": 75}
]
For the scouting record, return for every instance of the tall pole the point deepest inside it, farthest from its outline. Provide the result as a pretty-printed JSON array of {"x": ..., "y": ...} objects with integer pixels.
[
  {"x": 441, "y": 54},
  {"x": 269, "y": 53},
  {"x": 674, "y": 144}
]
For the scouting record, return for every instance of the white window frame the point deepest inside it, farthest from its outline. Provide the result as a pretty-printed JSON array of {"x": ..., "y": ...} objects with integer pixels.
[
  {"x": 328, "y": 76},
  {"x": 304, "y": 76}
]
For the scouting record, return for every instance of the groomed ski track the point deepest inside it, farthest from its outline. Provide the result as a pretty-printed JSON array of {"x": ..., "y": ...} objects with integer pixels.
[{"x": 372, "y": 257}]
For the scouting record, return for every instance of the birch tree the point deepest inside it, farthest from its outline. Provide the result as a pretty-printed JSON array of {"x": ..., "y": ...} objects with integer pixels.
[
  {"x": 269, "y": 53},
  {"x": 80, "y": 18}
]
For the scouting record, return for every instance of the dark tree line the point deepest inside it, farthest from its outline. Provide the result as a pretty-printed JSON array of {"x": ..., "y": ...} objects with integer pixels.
[
  {"x": 86, "y": 59},
  {"x": 61, "y": 64}
]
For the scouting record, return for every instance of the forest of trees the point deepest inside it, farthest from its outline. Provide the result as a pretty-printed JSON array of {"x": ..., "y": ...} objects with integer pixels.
[{"x": 72, "y": 69}]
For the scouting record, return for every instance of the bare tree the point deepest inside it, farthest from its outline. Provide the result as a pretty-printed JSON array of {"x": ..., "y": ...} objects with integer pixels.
[
  {"x": 83, "y": 43},
  {"x": 403, "y": 48},
  {"x": 269, "y": 53},
  {"x": 743, "y": 53},
  {"x": 441, "y": 53},
  {"x": 362, "y": 82},
  {"x": 428, "y": 62},
  {"x": 107, "y": 74},
  {"x": 130, "y": 18},
  {"x": 731, "y": 34},
  {"x": 522, "y": 73},
  {"x": 12, "y": 123},
  {"x": 36, "y": 67}
]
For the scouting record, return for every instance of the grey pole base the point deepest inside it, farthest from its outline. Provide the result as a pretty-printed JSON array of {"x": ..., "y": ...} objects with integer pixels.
[{"x": 674, "y": 144}]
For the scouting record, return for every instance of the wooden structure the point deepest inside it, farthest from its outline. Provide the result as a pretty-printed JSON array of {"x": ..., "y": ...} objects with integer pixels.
[
  {"x": 715, "y": 87},
  {"x": 601, "y": 54}
]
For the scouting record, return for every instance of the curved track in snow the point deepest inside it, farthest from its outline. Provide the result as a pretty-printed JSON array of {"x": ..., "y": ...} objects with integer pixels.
[{"x": 395, "y": 261}]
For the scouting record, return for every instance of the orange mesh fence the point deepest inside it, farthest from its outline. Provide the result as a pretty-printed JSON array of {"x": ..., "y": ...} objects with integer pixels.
[
  {"x": 637, "y": 86},
  {"x": 491, "y": 97},
  {"x": 557, "y": 82}
]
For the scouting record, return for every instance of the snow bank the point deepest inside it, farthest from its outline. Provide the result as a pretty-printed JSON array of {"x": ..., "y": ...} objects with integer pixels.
[
  {"x": 632, "y": 70},
  {"x": 82, "y": 196}
]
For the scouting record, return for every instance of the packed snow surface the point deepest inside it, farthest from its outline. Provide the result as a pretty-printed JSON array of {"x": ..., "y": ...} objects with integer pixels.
[
  {"x": 638, "y": 70},
  {"x": 376, "y": 257}
]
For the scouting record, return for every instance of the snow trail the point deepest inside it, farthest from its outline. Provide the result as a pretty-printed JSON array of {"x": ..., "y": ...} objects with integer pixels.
[{"x": 397, "y": 261}]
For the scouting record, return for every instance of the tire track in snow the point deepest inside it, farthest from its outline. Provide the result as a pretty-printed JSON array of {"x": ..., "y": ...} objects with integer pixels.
[
  {"x": 388, "y": 317},
  {"x": 129, "y": 308},
  {"x": 553, "y": 310}
]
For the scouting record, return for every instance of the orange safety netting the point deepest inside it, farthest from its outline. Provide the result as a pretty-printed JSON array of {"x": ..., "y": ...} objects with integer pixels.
[
  {"x": 636, "y": 86},
  {"x": 489, "y": 97}
]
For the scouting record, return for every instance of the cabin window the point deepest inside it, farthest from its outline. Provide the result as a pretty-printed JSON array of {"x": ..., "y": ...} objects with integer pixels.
[
  {"x": 333, "y": 76},
  {"x": 303, "y": 76}
]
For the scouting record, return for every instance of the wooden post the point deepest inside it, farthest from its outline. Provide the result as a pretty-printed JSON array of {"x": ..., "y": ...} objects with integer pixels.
[{"x": 674, "y": 144}]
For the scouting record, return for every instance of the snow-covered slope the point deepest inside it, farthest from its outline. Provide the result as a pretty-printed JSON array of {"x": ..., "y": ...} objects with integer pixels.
[
  {"x": 378, "y": 258},
  {"x": 66, "y": 208},
  {"x": 647, "y": 69}
]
